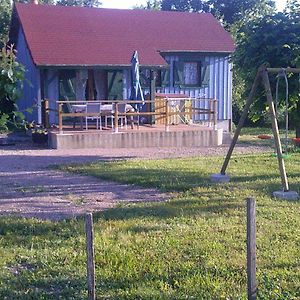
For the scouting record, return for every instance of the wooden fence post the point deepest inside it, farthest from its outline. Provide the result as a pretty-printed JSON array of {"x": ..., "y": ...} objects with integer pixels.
[
  {"x": 60, "y": 125},
  {"x": 167, "y": 115},
  {"x": 215, "y": 105},
  {"x": 251, "y": 249},
  {"x": 89, "y": 233},
  {"x": 116, "y": 116}
]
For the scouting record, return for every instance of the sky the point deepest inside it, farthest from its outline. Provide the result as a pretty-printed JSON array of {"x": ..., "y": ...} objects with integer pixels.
[{"x": 130, "y": 3}]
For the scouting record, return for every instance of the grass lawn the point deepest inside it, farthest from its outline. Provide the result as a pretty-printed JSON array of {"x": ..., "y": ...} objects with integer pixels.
[{"x": 191, "y": 247}]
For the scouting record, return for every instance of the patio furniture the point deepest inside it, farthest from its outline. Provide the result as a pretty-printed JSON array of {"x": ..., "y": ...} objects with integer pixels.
[
  {"x": 108, "y": 110},
  {"x": 93, "y": 108},
  {"x": 77, "y": 108}
]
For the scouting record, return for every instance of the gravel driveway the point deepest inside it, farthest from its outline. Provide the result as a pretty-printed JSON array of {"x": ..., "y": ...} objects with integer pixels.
[{"x": 30, "y": 189}]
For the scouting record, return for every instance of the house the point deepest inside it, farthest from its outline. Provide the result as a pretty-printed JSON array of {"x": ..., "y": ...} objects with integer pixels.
[{"x": 77, "y": 53}]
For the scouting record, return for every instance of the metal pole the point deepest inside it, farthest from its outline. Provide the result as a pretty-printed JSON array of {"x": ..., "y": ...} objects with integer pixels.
[
  {"x": 242, "y": 120},
  {"x": 281, "y": 164}
]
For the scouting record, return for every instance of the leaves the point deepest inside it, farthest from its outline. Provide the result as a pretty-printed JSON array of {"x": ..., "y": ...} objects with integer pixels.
[
  {"x": 11, "y": 78},
  {"x": 272, "y": 39}
]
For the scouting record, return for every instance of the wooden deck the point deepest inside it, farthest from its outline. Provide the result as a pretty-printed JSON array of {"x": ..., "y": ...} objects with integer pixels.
[{"x": 180, "y": 135}]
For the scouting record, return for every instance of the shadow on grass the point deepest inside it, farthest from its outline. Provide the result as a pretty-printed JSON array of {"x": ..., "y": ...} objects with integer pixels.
[
  {"x": 171, "y": 209},
  {"x": 21, "y": 231},
  {"x": 25, "y": 286}
]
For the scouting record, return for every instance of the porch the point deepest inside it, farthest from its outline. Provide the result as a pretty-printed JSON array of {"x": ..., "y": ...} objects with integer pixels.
[
  {"x": 175, "y": 121},
  {"x": 180, "y": 135}
]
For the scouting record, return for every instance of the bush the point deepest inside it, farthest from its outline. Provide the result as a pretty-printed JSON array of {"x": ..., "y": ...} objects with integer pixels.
[{"x": 11, "y": 83}]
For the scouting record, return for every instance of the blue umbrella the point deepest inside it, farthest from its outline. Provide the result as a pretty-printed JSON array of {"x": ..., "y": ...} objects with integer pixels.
[{"x": 136, "y": 92}]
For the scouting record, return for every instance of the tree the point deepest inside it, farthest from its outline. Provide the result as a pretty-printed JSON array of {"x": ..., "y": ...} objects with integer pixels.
[
  {"x": 228, "y": 11},
  {"x": 11, "y": 80},
  {"x": 5, "y": 13},
  {"x": 150, "y": 4},
  {"x": 275, "y": 40},
  {"x": 85, "y": 3}
]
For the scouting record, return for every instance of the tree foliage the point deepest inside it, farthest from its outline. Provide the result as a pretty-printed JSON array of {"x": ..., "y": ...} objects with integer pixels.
[
  {"x": 85, "y": 3},
  {"x": 150, "y": 5},
  {"x": 228, "y": 11},
  {"x": 11, "y": 80},
  {"x": 275, "y": 40}
]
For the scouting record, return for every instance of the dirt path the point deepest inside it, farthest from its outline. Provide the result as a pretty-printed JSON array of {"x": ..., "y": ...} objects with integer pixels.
[{"x": 30, "y": 189}]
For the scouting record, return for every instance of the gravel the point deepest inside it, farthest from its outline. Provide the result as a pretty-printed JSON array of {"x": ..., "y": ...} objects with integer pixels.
[{"x": 31, "y": 189}]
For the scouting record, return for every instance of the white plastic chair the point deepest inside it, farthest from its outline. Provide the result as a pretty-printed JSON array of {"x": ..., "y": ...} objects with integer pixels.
[
  {"x": 121, "y": 115},
  {"x": 93, "y": 108}
]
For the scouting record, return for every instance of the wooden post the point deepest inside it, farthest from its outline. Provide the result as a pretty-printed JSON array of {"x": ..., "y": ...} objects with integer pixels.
[
  {"x": 251, "y": 249},
  {"x": 211, "y": 111},
  {"x": 215, "y": 104},
  {"x": 281, "y": 164},
  {"x": 89, "y": 232},
  {"x": 60, "y": 117},
  {"x": 241, "y": 122},
  {"x": 167, "y": 115},
  {"x": 116, "y": 112},
  {"x": 46, "y": 107},
  {"x": 152, "y": 94}
]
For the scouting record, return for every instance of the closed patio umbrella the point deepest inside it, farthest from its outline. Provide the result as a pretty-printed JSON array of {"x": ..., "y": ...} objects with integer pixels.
[{"x": 136, "y": 91}]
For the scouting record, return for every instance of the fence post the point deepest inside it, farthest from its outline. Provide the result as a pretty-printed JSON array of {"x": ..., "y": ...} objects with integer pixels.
[
  {"x": 47, "y": 117},
  {"x": 89, "y": 233},
  {"x": 167, "y": 115},
  {"x": 211, "y": 112},
  {"x": 60, "y": 117},
  {"x": 215, "y": 113},
  {"x": 116, "y": 117},
  {"x": 251, "y": 249}
]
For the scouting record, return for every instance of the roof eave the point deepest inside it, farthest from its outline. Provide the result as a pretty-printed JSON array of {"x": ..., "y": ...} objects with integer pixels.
[
  {"x": 120, "y": 66},
  {"x": 198, "y": 51}
]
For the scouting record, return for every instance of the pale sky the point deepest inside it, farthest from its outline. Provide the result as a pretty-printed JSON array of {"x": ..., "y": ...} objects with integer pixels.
[{"x": 130, "y": 3}]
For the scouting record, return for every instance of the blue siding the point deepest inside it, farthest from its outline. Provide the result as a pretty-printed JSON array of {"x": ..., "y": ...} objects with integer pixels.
[
  {"x": 52, "y": 93},
  {"x": 30, "y": 97},
  {"x": 220, "y": 84}
]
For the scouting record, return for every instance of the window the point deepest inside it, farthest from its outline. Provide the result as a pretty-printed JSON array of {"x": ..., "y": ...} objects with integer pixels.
[
  {"x": 190, "y": 73},
  {"x": 67, "y": 83},
  {"x": 187, "y": 73},
  {"x": 162, "y": 78}
]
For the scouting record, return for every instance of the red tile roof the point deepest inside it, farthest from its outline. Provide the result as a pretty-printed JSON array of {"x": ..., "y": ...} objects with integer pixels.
[{"x": 78, "y": 36}]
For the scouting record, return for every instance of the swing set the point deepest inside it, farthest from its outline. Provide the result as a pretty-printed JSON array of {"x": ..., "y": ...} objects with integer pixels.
[{"x": 262, "y": 75}]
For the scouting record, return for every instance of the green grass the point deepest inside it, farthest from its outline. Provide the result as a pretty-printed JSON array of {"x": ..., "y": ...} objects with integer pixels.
[{"x": 190, "y": 247}]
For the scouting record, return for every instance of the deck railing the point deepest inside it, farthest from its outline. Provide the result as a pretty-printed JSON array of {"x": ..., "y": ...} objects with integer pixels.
[{"x": 185, "y": 109}]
